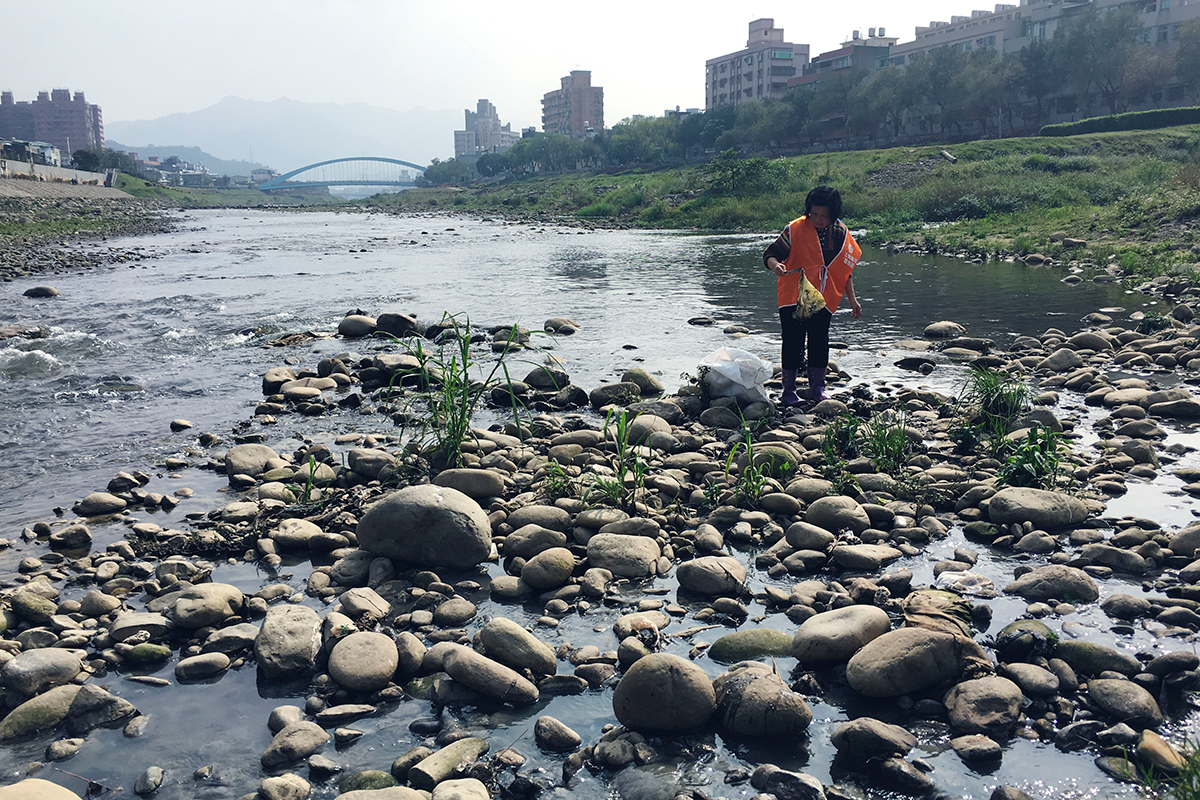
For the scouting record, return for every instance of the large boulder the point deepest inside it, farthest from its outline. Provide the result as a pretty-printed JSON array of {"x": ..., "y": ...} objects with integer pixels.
[
  {"x": 836, "y": 513},
  {"x": 36, "y": 789},
  {"x": 1092, "y": 658},
  {"x": 297, "y": 741},
  {"x": 749, "y": 644},
  {"x": 624, "y": 556},
  {"x": 1045, "y": 509},
  {"x": 248, "y": 459},
  {"x": 752, "y": 700},
  {"x": 989, "y": 705},
  {"x": 713, "y": 576},
  {"x": 288, "y": 641},
  {"x": 206, "y": 604},
  {"x": 832, "y": 637},
  {"x": 1055, "y": 582},
  {"x": 82, "y": 708},
  {"x": 866, "y": 738},
  {"x": 34, "y": 671},
  {"x": 40, "y": 713},
  {"x": 665, "y": 694},
  {"x": 912, "y": 660},
  {"x": 1126, "y": 701},
  {"x": 510, "y": 644},
  {"x": 488, "y": 677},
  {"x": 364, "y": 661},
  {"x": 427, "y": 526}
]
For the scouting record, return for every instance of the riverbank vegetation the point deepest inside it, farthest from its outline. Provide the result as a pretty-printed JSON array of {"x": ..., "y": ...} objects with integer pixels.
[
  {"x": 1126, "y": 197},
  {"x": 216, "y": 198}
]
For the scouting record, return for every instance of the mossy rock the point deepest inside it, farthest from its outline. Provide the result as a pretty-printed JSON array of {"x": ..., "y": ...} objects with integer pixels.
[
  {"x": 1025, "y": 638},
  {"x": 38, "y": 714},
  {"x": 422, "y": 688},
  {"x": 367, "y": 780},
  {"x": 148, "y": 653},
  {"x": 750, "y": 644},
  {"x": 981, "y": 531}
]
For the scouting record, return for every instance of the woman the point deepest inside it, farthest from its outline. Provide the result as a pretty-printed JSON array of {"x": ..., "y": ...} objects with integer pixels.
[{"x": 818, "y": 246}]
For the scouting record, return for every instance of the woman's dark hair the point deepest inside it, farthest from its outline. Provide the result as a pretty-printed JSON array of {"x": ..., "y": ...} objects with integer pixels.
[{"x": 824, "y": 196}]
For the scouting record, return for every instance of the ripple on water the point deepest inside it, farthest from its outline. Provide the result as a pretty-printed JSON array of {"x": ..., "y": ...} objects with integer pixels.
[{"x": 18, "y": 364}]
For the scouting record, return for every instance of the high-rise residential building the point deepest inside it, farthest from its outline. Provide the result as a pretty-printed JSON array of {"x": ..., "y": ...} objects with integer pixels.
[
  {"x": 759, "y": 71},
  {"x": 69, "y": 123},
  {"x": 483, "y": 132},
  {"x": 576, "y": 109}
]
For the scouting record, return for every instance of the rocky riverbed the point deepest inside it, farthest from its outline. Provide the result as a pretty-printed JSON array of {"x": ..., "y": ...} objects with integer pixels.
[
  {"x": 731, "y": 571},
  {"x": 47, "y": 222}
]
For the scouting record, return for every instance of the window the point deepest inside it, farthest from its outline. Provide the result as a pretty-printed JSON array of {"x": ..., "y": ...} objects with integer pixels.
[
  {"x": 1162, "y": 33},
  {"x": 1035, "y": 30},
  {"x": 1144, "y": 37},
  {"x": 1164, "y": 5},
  {"x": 1149, "y": 8},
  {"x": 781, "y": 54}
]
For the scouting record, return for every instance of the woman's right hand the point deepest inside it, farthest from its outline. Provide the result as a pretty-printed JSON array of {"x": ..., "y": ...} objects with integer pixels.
[{"x": 776, "y": 267}]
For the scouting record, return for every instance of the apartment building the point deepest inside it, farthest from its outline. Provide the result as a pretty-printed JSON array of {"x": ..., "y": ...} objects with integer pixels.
[
  {"x": 69, "y": 123},
  {"x": 483, "y": 132},
  {"x": 576, "y": 109},
  {"x": 854, "y": 55},
  {"x": 1009, "y": 28},
  {"x": 759, "y": 71}
]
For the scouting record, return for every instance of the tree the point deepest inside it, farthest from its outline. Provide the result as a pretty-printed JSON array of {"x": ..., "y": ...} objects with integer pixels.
[
  {"x": 934, "y": 79},
  {"x": 1042, "y": 72},
  {"x": 490, "y": 165},
  {"x": 884, "y": 100},
  {"x": 716, "y": 122},
  {"x": 439, "y": 173},
  {"x": 1187, "y": 57},
  {"x": 87, "y": 160},
  {"x": 1096, "y": 51},
  {"x": 1147, "y": 72}
]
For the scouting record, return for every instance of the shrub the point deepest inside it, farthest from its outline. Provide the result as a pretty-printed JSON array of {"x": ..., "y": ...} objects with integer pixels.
[{"x": 1132, "y": 121}]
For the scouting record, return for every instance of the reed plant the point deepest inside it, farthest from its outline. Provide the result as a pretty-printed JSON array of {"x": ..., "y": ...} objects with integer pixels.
[
  {"x": 629, "y": 468},
  {"x": 752, "y": 479},
  {"x": 454, "y": 384},
  {"x": 886, "y": 442}
]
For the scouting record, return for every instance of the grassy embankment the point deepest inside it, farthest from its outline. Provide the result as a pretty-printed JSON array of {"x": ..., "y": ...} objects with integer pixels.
[
  {"x": 1132, "y": 196},
  {"x": 215, "y": 198}
]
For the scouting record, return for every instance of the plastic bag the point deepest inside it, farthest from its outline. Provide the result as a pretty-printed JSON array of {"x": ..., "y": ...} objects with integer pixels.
[
  {"x": 811, "y": 300},
  {"x": 730, "y": 372}
]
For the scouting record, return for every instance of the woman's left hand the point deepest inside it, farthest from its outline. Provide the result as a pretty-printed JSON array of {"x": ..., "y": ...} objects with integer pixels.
[{"x": 855, "y": 309}]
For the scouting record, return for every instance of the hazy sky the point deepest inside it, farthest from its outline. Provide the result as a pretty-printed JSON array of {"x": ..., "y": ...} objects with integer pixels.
[{"x": 141, "y": 59}]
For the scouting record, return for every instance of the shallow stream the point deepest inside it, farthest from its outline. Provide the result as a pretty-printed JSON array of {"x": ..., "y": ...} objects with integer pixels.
[{"x": 183, "y": 334}]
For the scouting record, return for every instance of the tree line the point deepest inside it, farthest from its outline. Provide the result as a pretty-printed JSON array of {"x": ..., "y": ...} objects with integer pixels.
[{"x": 1099, "y": 63}]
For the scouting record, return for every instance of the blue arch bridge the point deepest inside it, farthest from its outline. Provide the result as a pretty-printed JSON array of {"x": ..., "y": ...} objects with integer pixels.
[{"x": 360, "y": 171}]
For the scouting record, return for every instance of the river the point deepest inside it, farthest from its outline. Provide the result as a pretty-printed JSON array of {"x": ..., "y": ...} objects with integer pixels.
[{"x": 184, "y": 332}]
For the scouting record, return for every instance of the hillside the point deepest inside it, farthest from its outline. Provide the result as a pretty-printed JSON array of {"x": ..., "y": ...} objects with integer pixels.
[
  {"x": 194, "y": 155},
  {"x": 286, "y": 134}
]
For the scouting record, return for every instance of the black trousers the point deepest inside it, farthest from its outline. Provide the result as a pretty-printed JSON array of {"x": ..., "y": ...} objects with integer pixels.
[{"x": 815, "y": 330}]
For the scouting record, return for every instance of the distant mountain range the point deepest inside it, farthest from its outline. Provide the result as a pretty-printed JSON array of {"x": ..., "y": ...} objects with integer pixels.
[
  {"x": 193, "y": 155},
  {"x": 286, "y": 134}
]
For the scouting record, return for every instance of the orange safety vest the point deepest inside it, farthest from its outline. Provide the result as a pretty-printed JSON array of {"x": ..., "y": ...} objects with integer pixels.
[{"x": 806, "y": 256}]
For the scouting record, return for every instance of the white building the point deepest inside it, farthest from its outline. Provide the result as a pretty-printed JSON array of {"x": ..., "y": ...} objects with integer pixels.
[
  {"x": 759, "y": 71},
  {"x": 484, "y": 133}
]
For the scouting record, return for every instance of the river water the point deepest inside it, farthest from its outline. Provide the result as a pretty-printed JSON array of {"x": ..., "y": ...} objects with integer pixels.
[{"x": 183, "y": 332}]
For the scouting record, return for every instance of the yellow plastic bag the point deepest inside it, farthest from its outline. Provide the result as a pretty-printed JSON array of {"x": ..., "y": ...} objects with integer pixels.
[{"x": 810, "y": 301}]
